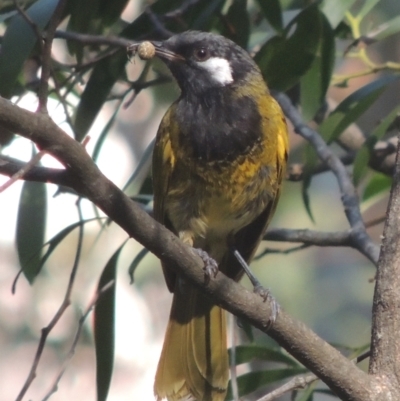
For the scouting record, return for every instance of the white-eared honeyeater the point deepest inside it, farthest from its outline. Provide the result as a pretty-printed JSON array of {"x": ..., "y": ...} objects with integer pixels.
[{"x": 218, "y": 164}]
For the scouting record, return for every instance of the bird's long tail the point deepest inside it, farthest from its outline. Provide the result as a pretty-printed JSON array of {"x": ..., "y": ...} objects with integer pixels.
[{"x": 194, "y": 360}]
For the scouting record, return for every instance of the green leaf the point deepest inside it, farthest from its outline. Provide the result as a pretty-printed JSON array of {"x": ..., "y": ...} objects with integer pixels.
[
  {"x": 361, "y": 164},
  {"x": 81, "y": 20},
  {"x": 361, "y": 161},
  {"x": 104, "y": 133},
  {"x": 135, "y": 263},
  {"x": 308, "y": 394},
  {"x": 201, "y": 15},
  {"x": 366, "y": 8},
  {"x": 19, "y": 41},
  {"x": 381, "y": 129},
  {"x": 387, "y": 29},
  {"x": 247, "y": 353},
  {"x": 335, "y": 10},
  {"x": 133, "y": 185},
  {"x": 272, "y": 12},
  {"x": 31, "y": 225},
  {"x": 351, "y": 108},
  {"x": 56, "y": 240},
  {"x": 237, "y": 26},
  {"x": 315, "y": 83},
  {"x": 379, "y": 183},
  {"x": 246, "y": 327},
  {"x": 110, "y": 11},
  {"x": 104, "y": 327},
  {"x": 252, "y": 381},
  {"x": 310, "y": 161},
  {"x": 283, "y": 60}
]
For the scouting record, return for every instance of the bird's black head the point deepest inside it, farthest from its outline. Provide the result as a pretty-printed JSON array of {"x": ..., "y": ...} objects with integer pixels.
[{"x": 201, "y": 61}]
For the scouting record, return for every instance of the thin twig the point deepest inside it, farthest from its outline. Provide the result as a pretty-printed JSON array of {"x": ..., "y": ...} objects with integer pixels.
[
  {"x": 157, "y": 24},
  {"x": 178, "y": 12},
  {"x": 71, "y": 352},
  {"x": 286, "y": 251},
  {"x": 374, "y": 222},
  {"x": 63, "y": 307},
  {"x": 86, "y": 39},
  {"x": 349, "y": 197},
  {"x": 137, "y": 87},
  {"x": 19, "y": 174},
  {"x": 46, "y": 56},
  {"x": 30, "y": 22},
  {"x": 62, "y": 100}
]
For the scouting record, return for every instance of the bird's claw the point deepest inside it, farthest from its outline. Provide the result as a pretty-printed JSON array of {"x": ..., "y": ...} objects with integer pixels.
[
  {"x": 210, "y": 265},
  {"x": 265, "y": 294}
]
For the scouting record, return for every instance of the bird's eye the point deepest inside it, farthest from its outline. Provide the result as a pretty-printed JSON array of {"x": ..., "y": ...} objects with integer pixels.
[{"x": 201, "y": 54}]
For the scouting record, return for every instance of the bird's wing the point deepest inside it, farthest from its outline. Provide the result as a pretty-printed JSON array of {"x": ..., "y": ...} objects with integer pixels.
[
  {"x": 248, "y": 238},
  {"x": 163, "y": 166}
]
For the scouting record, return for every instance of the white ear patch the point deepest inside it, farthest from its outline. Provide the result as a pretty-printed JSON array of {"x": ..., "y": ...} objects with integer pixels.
[{"x": 219, "y": 69}]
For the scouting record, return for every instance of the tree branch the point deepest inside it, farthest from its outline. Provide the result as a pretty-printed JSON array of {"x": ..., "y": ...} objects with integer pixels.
[
  {"x": 10, "y": 167},
  {"x": 46, "y": 55},
  {"x": 348, "y": 193},
  {"x": 385, "y": 341},
  {"x": 340, "y": 374}
]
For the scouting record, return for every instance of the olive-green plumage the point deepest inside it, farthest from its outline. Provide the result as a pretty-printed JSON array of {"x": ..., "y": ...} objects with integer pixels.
[{"x": 218, "y": 164}]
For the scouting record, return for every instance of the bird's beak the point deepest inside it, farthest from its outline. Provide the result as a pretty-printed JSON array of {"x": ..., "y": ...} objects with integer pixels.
[{"x": 166, "y": 54}]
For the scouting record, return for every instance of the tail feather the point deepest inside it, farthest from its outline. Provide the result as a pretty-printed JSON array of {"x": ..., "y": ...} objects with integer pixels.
[{"x": 194, "y": 360}]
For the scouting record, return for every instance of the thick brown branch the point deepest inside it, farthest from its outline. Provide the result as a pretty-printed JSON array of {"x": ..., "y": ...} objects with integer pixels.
[
  {"x": 385, "y": 346},
  {"x": 341, "y": 375}
]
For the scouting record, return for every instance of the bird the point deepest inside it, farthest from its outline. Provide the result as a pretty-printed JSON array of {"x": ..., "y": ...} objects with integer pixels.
[{"x": 218, "y": 163}]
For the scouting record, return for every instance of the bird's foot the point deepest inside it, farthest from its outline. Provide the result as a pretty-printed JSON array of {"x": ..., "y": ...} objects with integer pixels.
[
  {"x": 265, "y": 294},
  {"x": 210, "y": 265}
]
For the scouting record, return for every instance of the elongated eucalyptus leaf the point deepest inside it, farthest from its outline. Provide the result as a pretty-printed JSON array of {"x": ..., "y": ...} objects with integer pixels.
[
  {"x": 135, "y": 263},
  {"x": 308, "y": 394},
  {"x": 378, "y": 183},
  {"x": 135, "y": 181},
  {"x": 237, "y": 26},
  {"x": 335, "y": 10},
  {"x": 104, "y": 327},
  {"x": 18, "y": 42},
  {"x": 367, "y": 7},
  {"x": 310, "y": 160},
  {"x": 272, "y": 12},
  {"x": 246, "y": 327},
  {"x": 315, "y": 82},
  {"x": 31, "y": 225},
  {"x": 361, "y": 161},
  {"x": 388, "y": 28},
  {"x": 57, "y": 239},
  {"x": 284, "y": 59},
  {"x": 351, "y": 108}
]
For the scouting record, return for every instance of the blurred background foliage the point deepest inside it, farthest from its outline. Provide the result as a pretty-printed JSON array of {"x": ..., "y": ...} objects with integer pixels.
[{"x": 339, "y": 62}]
